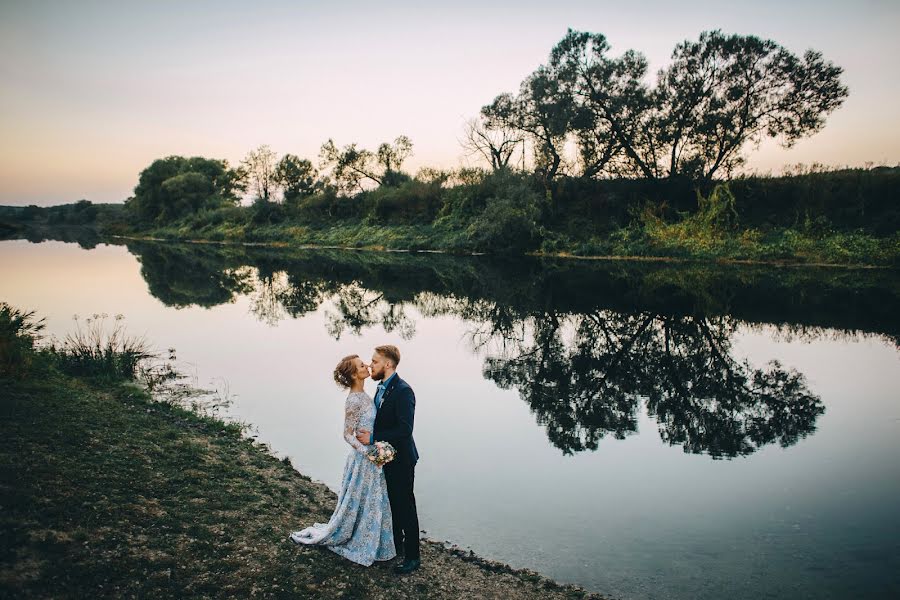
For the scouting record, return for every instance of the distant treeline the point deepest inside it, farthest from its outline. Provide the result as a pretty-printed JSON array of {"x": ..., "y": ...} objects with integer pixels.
[{"x": 586, "y": 158}]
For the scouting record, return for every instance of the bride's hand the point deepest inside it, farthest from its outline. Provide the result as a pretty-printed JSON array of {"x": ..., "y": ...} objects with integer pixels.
[{"x": 363, "y": 435}]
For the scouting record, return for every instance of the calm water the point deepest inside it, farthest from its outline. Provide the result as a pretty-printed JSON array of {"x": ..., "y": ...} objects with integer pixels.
[{"x": 644, "y": 431}]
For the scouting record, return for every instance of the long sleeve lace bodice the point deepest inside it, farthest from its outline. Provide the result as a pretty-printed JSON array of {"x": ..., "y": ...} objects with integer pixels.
[{"x": 359, "y": 413}]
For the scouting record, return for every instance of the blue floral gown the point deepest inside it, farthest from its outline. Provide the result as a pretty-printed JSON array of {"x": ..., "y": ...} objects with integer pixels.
[{"x": 360, "y": 529}]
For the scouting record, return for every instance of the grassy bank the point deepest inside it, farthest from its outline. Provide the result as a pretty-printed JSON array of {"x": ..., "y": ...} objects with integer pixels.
[
  {"x": 834, "y": 217},
  {"x": 660, "y": 241},
  {"x": 843, "y": 217},
  {"x": 109, "y": 493}
]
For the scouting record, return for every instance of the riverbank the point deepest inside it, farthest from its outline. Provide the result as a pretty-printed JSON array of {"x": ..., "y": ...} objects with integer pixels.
[
  {"x": 664, "y": 243},
  {"x": 783, "y": 262},
  {"x": 108, "y": 492},
  {"x": 842, "y": 217}
]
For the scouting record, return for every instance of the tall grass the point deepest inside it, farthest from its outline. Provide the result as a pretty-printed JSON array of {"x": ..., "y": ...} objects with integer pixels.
[
  {"x": 93, "y": 351},
  {"x": 19, "y": 331}
]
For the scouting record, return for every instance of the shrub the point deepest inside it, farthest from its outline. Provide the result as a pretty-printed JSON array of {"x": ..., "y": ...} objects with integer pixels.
[
  {"x": 18, "y": 333},
  {"x": 411, "y": 202},
  {"x": 94, "y": 353},
  {"x": 509, "y": 223},
  {"x": 264, "y": 212}
]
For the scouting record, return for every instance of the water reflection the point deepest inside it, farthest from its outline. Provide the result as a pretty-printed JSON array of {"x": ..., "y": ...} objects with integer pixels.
[
  {"x": 701, "y": 397},
  {"x": 185, "y": 276},
  {"x": 585, "y": 345}
]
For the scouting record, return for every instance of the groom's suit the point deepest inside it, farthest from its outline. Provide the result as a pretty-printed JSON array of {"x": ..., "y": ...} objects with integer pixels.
[{"x": 394, "y": 424}]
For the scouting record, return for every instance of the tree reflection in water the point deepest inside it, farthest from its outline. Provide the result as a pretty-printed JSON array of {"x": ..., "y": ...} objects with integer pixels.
[
  {"x": 587, "y": 347},
  {"x": 681, "y": 367},
  {"x": 356, "y": 308}
]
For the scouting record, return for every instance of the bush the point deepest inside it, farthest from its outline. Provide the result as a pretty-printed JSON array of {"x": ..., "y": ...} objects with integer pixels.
[
  {"x": 326, "y": 206},
  {"x": 264, "y": 212},
  {"x": 18, "y": 334},
  {"x": 509, "y": 223},
  {"x": 94, "y": 353},
  {"x": 411, "y": 202}
]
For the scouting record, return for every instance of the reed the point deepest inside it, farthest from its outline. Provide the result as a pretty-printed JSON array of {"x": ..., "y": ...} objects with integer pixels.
[{"x": 92, "y": 351}]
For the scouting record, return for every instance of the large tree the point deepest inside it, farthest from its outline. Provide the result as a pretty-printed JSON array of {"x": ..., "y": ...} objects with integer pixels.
[
  {"x": 610, "y": 104},
  {"x": 719, "y": 95},
  {"x": 176, "y": 186},
  {"x": 724, "y": 92}
]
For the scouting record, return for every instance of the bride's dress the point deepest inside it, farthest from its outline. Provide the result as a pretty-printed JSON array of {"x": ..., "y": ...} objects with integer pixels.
[{"x": 360, "y": 528}]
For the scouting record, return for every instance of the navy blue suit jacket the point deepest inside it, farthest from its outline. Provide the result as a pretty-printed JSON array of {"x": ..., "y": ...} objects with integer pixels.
[{"x": 394, "y": 421}]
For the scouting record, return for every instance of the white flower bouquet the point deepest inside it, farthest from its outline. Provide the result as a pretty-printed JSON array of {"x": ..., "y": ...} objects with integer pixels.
[{"x": 381, "y": 453}]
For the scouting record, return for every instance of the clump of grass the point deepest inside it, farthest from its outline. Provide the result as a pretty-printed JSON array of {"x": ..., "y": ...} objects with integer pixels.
[
  {"x": 19, "y": 331},
  {"x": 705, "y": 232},
  {"x": 91, "y": 351}
]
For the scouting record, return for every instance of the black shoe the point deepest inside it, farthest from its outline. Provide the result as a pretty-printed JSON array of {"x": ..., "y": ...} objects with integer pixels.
[{"x": 407, "y": 566}]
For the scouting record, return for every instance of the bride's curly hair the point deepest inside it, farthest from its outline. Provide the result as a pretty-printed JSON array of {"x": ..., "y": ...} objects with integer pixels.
[{"x": 343, "y": 372}]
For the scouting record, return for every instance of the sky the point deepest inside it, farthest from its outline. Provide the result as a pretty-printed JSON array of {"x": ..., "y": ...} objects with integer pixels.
[{"x": 93, "y": 92}]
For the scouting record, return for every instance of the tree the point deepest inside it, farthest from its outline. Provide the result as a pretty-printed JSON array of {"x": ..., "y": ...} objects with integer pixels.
[
  {"x": 297, "y": 177},
  {"x": 543, "y": 111},
  {"x": 175, "y": 186},
  {"x": 351, "y": 167},
  {"x": 681, "y": 367},
  {"x": 495, "y": 144},
  {"x": 391, "y": 156},
  {"x": 725, "y": 91},
  {"x": 718, "y": 95},
  {"x": 611, "y": 104},
  {"x": 259, "y": 166}
]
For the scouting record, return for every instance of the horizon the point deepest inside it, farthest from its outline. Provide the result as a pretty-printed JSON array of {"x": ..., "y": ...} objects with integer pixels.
[{"x": 95, "y": 92}]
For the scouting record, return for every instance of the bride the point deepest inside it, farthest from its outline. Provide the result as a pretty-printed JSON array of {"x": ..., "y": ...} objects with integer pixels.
[{"x": 360, "y": 528}]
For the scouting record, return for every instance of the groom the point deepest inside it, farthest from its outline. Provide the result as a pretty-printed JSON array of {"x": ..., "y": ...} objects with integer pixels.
[{"x": 395, "y": 403}]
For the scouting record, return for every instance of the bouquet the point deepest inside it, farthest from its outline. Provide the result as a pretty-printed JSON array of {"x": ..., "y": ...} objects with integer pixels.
[{"x": 381, "y": 453}]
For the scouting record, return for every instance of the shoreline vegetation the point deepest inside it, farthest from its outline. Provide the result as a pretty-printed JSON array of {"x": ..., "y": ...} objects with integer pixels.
[
  {"x": 116, "y": 489},
  {"x": 561, "y": 255},
  {"x": 590, "y": 157},
  {"x": 827, "y": 218}
]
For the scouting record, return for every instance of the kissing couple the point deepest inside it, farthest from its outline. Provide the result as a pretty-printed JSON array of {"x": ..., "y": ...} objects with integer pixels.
[{"x": 375, "y": 517}]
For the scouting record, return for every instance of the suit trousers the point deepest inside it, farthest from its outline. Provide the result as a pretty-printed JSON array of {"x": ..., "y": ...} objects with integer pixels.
[{"x": 399, "y": 479}]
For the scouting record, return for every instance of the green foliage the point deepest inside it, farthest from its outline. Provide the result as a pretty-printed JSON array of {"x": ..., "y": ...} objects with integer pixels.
[
  {"x": 719, "y": 95},
  {"x": 92, "y": 352},
  {"x": 509, "y": 223},
  {"x": 838, "y": 200},
  {"x": 351, "y": 167},
  {"x": 80, "y": 213},
  {"x": 465, "y": 202},
  {"x": 176, "y": 186},
  {"x": 717, "y": 211},
  {"x": 508, "y": 212},
  {"x": 411, "y": 201},
  {"x": 18, "y": 333},
  {"x": 297, "y": 177},
  {"x": 264, "y": 212},
  {"x": 327, "y": 206}
]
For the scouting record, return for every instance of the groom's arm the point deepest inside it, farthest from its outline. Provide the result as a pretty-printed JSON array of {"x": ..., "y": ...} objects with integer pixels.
[{"x": 405, "y": 410}]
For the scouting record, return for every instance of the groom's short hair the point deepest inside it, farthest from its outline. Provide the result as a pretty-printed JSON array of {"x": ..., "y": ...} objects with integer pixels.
[{"x": 389, "y": 352}]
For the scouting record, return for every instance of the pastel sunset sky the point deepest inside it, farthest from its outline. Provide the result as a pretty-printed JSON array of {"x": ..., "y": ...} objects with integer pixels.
[{"x": 92, "y": 92}]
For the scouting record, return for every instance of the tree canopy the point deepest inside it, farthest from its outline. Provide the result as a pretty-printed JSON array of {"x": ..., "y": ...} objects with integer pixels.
[
  {"x": 719, "y": 95},
  {"x": 352, "y": 167},
  {"x": 175, "y": 186}
]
